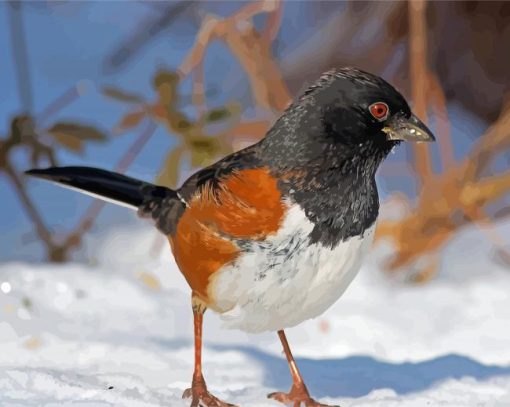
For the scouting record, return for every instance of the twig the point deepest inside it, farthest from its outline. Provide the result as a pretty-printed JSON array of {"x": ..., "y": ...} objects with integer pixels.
[
  {"x": 443, "y": 129},
  {"x": 41, "y": 228},
  {"x": 146, "y": 31},
  {"x": 95, "y": 208},
  {"x": 198, "y": 95},
  {"x": 274, "y": 19},
  {"x": 59, "y": 103},
  {"x": 206, "y": 34},
  {"x": 418, "y": 73},
  {"x": 495, "y": 140},
  {"x": 20, "y": 54},
  {"x": 251, "y": 48}
]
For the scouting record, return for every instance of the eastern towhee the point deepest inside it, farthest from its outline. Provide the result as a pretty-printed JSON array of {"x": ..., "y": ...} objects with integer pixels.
[{"x": 273, "y": 234}]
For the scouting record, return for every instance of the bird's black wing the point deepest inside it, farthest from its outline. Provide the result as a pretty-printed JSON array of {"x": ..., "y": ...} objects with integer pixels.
[{"x": 211, "y": 175}]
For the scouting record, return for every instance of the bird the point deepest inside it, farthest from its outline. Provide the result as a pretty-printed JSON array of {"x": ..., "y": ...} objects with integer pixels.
[{"x": 273, "y": 234}]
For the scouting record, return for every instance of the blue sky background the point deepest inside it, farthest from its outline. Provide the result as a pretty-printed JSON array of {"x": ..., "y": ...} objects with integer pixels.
[{"x": 70, "y": 44}]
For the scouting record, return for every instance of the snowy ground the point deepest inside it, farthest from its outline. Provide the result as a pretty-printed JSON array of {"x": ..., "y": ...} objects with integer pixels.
[{"x": 118, "y": 333}]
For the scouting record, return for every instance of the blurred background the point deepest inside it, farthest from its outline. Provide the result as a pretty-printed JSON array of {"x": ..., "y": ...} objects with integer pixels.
[{"x": 158, "y": 90}]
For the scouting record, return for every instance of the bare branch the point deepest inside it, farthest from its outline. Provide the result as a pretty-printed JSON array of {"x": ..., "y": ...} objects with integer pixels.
[
  {"x": 95, "y": 208},
  {"x": 20, "y": 54},
  {"x": 252, "y": 50},
  {"x": 41, "y": 228},
  {"x": 419, "y": 74},
  {"x": 274, "y": 19},
  {"x": 208, "y": 32},
  {"x": 198, "y": 95},
  {"x": 495, "y": 140},
  {"x": 443, "y": 128},
  {"x": 61, "y": 102}
]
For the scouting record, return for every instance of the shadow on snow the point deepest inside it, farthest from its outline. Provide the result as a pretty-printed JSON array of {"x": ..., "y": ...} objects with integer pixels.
[{"x": 357, "y": 376}]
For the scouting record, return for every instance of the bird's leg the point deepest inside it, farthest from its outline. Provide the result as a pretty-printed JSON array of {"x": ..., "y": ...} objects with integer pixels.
[
  {"x": 200, "y": 396},
  {"x": 298, "y": 394}
]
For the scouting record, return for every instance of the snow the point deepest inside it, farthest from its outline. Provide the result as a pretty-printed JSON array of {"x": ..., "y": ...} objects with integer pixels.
[{"x": 118, "y": 332}]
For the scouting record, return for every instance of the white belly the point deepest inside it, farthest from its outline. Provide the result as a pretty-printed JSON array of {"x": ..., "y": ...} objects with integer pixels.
[{"x": 284, "y": 281}]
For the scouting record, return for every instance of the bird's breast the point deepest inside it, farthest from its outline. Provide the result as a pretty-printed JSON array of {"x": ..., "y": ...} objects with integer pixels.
[{"x": 286, "y": 278}]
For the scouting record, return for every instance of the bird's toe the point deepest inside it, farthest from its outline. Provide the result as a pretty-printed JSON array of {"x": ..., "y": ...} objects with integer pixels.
[
  {"x": 204, "y": 399},
  {"x": 296, "y": 400}
]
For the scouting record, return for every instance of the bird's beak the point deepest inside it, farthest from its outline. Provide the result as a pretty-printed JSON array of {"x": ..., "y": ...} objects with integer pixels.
[{"x": 408, "y": 129}]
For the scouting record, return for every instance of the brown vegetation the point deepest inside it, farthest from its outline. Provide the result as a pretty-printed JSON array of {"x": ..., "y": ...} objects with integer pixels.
[
  {"x": 26, "y": 134},
  {"x": 459, "y": 194},
  {"x": 447, "y": 200}
]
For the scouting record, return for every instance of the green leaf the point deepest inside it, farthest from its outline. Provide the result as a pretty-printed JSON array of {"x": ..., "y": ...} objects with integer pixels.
[
  {"x": 82, "y": 131},
  {"x": 165, "y": 77},
  {"x": 73, "y": 136},
  {"x": 178, "y": 121},
  {"x": 200, "y": 158},
  {"x": 121, "y": 95},
  {"x": 203, "y": 150},
  {"x": 216, "y": 115},
  {"x": 166, "y": 84},
  {"x": 69, "y": 142},
  {"x": 183, "y": 124},
  {"x": 169, "y": 173},
  {"x": 222, "y": 113}
]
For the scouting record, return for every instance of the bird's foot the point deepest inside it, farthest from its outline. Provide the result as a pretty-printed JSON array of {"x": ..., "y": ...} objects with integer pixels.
[
  {"x": 200, "y": 396},
  {"x": 297, "y": 397}
]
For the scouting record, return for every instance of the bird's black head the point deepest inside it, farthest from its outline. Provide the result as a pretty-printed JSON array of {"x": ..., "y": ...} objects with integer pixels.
[
  {"x": 327, "y": 146},
  {"x": 347, "y": 116}
]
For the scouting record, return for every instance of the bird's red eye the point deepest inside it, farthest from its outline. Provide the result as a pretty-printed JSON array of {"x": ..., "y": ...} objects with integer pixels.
[{"x": 379, "y": 110}]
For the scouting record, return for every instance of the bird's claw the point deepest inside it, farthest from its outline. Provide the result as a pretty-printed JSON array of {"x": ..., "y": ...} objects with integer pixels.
[
  {"x": 200, "y": 397},
  {"x": 296, "y": 399}
]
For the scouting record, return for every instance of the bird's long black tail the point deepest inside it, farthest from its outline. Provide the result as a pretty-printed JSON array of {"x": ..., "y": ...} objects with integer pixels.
[{"x": 106, "y": 185}]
